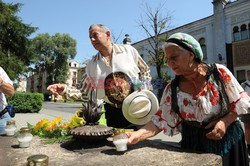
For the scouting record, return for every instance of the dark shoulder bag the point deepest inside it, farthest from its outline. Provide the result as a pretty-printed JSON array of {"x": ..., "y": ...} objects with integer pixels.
[
  {"x": 10, "y": 109},
  {"x": 212, "y": 69}
]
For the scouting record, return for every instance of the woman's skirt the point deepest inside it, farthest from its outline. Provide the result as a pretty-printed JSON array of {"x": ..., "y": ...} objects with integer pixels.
[{"x": 232, "y": 147}]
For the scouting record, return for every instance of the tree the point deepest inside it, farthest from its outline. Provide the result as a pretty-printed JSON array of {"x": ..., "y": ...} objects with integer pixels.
[
  {"x": 116, "y": 38},
  {"x": 53, "y": 53},
  {"x": 16, "y": 53},
  {"x": 155, "y": 26}
]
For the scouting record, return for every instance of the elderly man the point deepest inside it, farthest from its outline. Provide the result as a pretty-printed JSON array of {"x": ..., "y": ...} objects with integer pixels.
[{"x": 112, "y": 62}]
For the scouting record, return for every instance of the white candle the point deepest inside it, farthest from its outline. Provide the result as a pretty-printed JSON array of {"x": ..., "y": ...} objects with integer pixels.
[
  {"x": 10, "y": 128},
  {"x": 24, "y": 141},
  {"x": 24, "y": 137},
  {"x": 10, "y": 131},
  {"x": 121, "y": 144}
]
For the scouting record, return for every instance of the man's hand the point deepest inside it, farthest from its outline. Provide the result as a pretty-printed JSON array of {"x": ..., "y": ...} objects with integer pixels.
[{"x": 56, "y": 89}]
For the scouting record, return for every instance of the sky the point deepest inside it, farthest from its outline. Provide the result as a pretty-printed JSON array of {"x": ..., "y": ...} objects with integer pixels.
[{"x": 74, "y": 17}]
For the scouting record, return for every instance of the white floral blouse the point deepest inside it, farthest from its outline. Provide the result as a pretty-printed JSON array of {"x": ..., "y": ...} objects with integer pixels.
[{"x": 202, "y": 106}]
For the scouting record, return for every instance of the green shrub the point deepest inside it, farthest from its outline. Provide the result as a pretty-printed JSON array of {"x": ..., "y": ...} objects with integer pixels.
[{"x": 25, "y": 102}]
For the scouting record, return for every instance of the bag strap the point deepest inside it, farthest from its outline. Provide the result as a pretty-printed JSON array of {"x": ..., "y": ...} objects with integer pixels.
[
  {"x": 222, "y": 93},
  {"x": 3, "y": 112},
  {"x": 212, "y": 69}
]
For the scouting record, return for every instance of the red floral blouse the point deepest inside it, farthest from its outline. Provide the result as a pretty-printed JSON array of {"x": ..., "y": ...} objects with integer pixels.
[{"x": 202, "y": 106}]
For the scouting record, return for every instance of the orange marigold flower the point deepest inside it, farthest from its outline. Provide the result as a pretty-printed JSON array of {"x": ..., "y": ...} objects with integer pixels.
[
  {"x": 42, "y": 123},
  {"x": 51, "y": 127},
  {"x": 66, "y": 125},
  {"x": 57, "y": 119}
]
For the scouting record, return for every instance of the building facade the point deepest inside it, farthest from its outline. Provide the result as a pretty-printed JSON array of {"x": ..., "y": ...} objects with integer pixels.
[
  {"x": 223, "y": 36},
  {"x": 36, "y": 82}
]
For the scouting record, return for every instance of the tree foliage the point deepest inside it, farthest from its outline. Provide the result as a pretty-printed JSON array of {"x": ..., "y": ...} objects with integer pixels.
[
  {"x": 16, "y": 53},
  {"x": 155, "y": 25},
  {"x": 53, "y": 53}
]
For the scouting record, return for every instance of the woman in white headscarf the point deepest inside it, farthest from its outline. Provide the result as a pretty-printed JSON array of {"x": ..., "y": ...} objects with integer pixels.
[{"x": 202, "y": 102}]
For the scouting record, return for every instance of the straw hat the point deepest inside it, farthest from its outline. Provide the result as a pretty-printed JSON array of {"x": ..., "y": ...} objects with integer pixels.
[{"x": 139, "y": 107}]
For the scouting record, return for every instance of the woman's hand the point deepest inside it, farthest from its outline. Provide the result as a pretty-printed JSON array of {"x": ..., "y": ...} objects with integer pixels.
[
  {"x": 149, "y": 130},
  {"x": 56, "y": 89},
  {"x": 219, "y": 130},
  {"x": 220, "y": 126},
  {"x": 133, "y": 137}
]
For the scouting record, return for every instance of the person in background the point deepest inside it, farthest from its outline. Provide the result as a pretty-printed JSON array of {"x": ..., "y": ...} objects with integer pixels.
[
  {"x": 112, "y": 60},
  {"x": 246, "y": 117},
  {"x": 202, "y": 102},
  {"x": 6, "y": 88},
  {"x": 55, "y": 98}
]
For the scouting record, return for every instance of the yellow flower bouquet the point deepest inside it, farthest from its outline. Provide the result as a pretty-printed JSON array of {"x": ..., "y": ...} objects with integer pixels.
[{"x": 56, "y": 130}]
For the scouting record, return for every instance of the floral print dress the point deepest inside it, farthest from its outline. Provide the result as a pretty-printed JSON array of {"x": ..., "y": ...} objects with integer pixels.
[{"x": 202, "y": 106}]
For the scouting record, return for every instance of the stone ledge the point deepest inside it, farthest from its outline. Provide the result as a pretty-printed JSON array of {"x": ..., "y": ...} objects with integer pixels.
[{"x": 148, "y": 152}]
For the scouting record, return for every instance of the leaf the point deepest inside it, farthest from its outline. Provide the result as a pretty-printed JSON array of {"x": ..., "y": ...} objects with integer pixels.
[{"x": 30, "y": 126}]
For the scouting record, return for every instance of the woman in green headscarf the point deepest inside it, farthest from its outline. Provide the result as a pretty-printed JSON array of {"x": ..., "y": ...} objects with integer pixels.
[{"x": 202, "y": 102}]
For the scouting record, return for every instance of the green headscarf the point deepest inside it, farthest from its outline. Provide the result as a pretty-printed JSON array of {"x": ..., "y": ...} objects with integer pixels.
[{"x": 187, "y": 42}]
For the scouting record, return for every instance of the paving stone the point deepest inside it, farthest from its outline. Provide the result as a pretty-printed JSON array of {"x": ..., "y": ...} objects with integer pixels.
[{"x": 149, "y": 152}]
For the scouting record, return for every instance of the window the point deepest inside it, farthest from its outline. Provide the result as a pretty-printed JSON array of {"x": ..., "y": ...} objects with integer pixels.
[
  {"x": 69, "y": 64},
  {"x": 75, "y": 64},
  {"x": 236, "y": 34},
  {"x": 243, "y": 32},
  {"x": 73, "y": 82},
  {"x": 202, "y": 42}
]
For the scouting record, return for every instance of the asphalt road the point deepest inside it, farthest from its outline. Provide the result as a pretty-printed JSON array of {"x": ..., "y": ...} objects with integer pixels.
[{"x": 63, "y": 107}]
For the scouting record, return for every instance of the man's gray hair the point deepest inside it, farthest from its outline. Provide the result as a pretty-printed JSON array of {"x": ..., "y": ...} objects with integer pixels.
[{"x": 101, "y": 26}]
